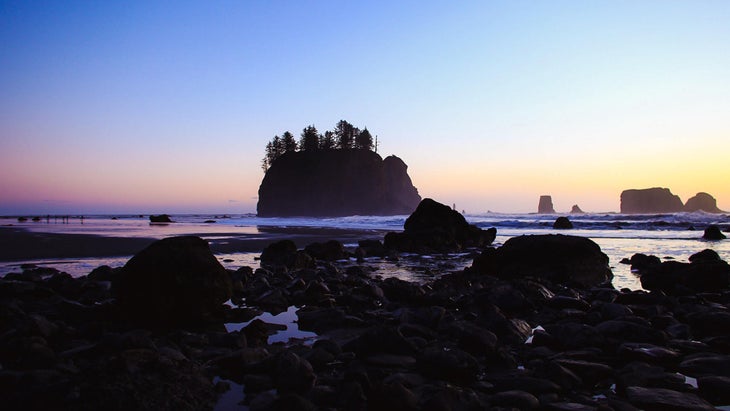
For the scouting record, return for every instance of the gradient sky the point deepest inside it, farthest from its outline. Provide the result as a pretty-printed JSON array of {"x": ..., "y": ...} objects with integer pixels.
[{"x": 139, "y": 107}]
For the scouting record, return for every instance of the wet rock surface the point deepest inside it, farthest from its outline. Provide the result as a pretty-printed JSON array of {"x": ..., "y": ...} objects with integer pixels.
[{"x": 467, "y": 340}]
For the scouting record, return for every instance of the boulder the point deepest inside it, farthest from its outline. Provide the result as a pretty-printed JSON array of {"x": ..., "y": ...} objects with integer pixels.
[
  {"x": 174, "y": 281},
  {"x": 665, "y": 399},
  {"x": 702, "y": 202},
  {"x": 162, "y": 218},
  {"x": 284, "y": 254},
  {"x": 435, "y": 227},
  {"x": 713, "y": 233},
  {"x": 650, "y": 200},
  {"x": 545, "y": 206},
  {"x": 576, "y": 210},
  {"x": 331, "y": 183},
  {"x": 558, "y": 258},
  {"x": 562, "y": 223},
  {"x": 332, "y": 250},
  {"x": 701, "y": 275}
]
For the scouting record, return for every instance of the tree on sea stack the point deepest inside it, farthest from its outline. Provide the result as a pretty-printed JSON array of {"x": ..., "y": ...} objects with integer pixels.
[
  {"x": 310, "y": 139},
  {"x": 364, "y": 140}
]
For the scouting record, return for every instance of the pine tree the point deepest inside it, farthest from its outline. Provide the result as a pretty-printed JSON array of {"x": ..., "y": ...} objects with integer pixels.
[
  {"x": 288, "y": 142},
  {"x": 344, "y": 134},
  {"x": 364, "y": 140},
  {"x": 328, "y": 140},
  {"x": 309, "y": 139}
]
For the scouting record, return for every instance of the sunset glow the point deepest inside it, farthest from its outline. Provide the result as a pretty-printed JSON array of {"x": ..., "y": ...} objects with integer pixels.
[{"x": 140, "y": 108}]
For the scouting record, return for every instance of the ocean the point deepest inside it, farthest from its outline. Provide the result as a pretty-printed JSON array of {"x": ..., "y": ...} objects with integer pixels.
[{"x": 668, "y": 236}]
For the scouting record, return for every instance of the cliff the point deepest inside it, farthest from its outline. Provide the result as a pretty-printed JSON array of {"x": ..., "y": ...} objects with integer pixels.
[
  {"x": 650, "y": 200},
  {"x": 331, "y": 183}
]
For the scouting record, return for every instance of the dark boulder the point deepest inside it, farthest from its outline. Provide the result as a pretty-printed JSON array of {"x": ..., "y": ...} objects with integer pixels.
[
  {"x": 435, "y": 227},
  {"x": 642, "y": 262},
  {"x": 161, "y": 218},
  {"x": 674, "y": 277},
  {"x": 650, "y": 200},
  {"x": 332, "y": 250},
  {"x": 562, "y": 223},
  {"x": 713, "y": 233},
  {"x": 174, "y": 281},
  {"x": 651, "y": 399},
  {"x": 704, "y": 255},
  {"x": 545, "y": 206},
  {"x": 324, "y": 183},
  {"x": 558, "y": 258},
  {"x": 284, "y": 254},
  {"x": 702, "y": 202}
]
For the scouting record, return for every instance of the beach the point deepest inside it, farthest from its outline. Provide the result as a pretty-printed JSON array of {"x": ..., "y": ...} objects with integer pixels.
[{"x": 508, "y": 327}]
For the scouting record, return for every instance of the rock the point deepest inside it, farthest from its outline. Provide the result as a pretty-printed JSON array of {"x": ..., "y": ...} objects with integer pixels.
[
  {"x": 650, "y": 200},
  {"x": 663, "y": 399},
  {"x": 452, "y": 365},
  {"x": 681, "y": 278},
  {"x": 706, "y": 365},
  {"x": 284, "y": 254},
  {"x": 515, "y": 399},
  {"x": 704, "y": 255},
  {"x": 576, "y": 210},
  {"x": 642, "y": 262},
  {"x": 702, "y": 202},
  {"x": 562, "y": 223},
  {"x": 715, "y": 389},
  {"x": 713, "y": 233},
  {"x": 174, "y": 281},
  {"x": 372, "y": 248},
  {"x": 555, "y": 257},
  {"x": 293, "y": 374},
  {"x": 333, "y": 183},
  {"x": 545, "y": 206},
  {"x": 435, "y": 227},
  {"x": 162, "y": 218},
  {"x": 332, "y": 250}
]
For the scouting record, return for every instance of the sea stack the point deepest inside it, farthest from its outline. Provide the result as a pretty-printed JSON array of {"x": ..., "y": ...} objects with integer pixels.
[
  {"x": 650, "y": 200},
  {"x": 702, "y": 202},
  {"x": 546, "y": 205},
  {"x": 334, "y": 183},
  {"x": 576, "y": 210}
]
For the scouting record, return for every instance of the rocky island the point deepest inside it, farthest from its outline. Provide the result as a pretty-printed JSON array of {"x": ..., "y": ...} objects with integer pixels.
[
  {"x": 332, "y": 175},
  {"x": 661, "y": 200}
]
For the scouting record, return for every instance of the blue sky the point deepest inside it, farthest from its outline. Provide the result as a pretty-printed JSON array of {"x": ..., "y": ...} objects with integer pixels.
[{"x": 167, "y": 106}]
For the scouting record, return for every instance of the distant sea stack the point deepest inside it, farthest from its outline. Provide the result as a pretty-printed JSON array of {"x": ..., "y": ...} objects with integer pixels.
[
  {"x": 650, "y": 200},
  {"x": 332, "y": 183},
  {"x": 546, "y": 205},
  {"x": 702, "y": 202},
  {"x": 576, "y": 210}
]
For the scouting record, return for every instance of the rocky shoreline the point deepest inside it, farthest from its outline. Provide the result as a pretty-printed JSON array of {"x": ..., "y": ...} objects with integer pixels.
[{"x": 533, "y": 324}]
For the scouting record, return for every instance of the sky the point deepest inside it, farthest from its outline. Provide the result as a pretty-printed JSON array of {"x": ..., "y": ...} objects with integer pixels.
[{"x": 150, "y": 107}]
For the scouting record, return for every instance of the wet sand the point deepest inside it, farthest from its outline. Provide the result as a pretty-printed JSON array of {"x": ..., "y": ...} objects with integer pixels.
[{"x": 18, "y": 244}]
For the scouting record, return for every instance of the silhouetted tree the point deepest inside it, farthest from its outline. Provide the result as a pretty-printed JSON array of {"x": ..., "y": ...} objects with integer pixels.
[
  {"x": 328, "y": 140},
  {"x": 345, "y": 134},
  {"x": 288, "y": 142},
  {"x": 274, "y": 149},
  {"x": 364, "y": 140},
  {"x": 310, "y": 139}
]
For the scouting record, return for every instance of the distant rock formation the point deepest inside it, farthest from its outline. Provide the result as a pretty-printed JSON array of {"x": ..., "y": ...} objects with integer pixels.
[
  {"x": 331, "y": 183},
  {"x": 576, "y": 210},
  {"x": 546, "y": 205},
  {"x": 650, "y": 200},
  {"x": 702, "y": 202}
]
